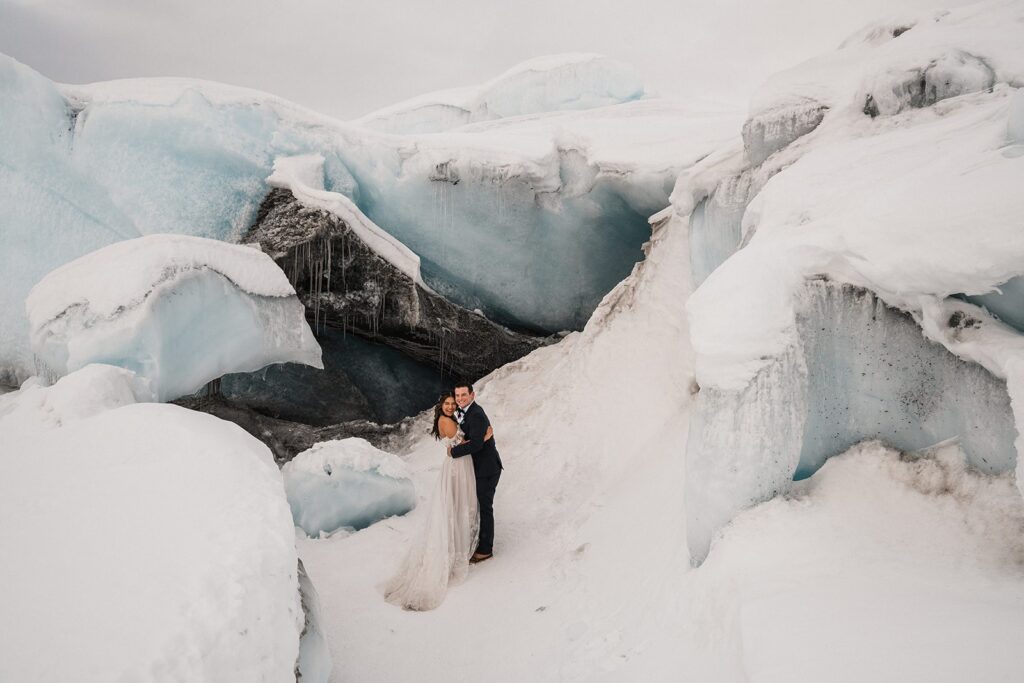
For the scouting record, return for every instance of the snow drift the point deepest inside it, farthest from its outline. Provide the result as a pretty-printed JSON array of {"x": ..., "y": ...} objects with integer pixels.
[{"x": 147, "y": 542}]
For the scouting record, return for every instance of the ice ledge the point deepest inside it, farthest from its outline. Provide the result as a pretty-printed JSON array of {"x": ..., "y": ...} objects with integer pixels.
[{"x": 303, "y": 176}]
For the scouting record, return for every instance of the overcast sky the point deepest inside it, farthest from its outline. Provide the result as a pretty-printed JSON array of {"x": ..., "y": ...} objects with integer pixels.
[{"x": 348, "y": 57}]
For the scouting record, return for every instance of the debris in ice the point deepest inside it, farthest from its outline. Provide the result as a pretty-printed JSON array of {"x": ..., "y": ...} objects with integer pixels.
[
  {"x": 178, "y": 311},
  {"x": 346, "y": 483}
]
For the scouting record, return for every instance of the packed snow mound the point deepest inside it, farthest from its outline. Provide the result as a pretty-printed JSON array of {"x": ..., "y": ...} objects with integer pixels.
[
  {"x": 346, "y": 484},
  {"x": 915, "y": 556},
  {"x": 178, "y": 311},
  {"x": 181, "y": 564},
  {"x": 544, "y": 84},
  {"x": 88, "y": 391}
]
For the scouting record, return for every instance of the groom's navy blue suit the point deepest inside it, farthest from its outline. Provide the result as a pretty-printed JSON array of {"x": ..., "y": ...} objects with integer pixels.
[{"x": 487, "y": 466}]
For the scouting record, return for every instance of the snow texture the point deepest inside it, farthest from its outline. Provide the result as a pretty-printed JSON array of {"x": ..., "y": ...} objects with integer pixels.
[
  {"x": 346, "y": 484},
  {"x": 86, "y": 392},
  {"x": 544, "y": 84},
  {"x": 178, "y": 311},
  {"x": 147, "y": 543}
]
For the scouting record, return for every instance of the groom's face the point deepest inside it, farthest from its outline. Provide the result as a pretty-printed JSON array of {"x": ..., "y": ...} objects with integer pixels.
[{"x": 463, "y": 396}]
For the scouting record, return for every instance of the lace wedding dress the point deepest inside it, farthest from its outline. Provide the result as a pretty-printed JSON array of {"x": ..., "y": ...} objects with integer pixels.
[{"x": 440, "y": 552}]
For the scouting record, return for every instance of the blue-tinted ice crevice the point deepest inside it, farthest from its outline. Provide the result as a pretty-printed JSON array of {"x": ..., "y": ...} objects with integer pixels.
[{"x": 858, "y": 370}]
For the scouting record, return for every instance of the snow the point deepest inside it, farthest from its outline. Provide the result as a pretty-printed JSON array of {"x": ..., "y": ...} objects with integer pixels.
[
  {"x": 88, "y": 391},
  {"x": 544, "y": 84},
  {"x": 146, "y": 542},
  {"x": 914, "y": 202},
  {"x": 178, "y": 311},
  {"x": 346, "y": 484}
]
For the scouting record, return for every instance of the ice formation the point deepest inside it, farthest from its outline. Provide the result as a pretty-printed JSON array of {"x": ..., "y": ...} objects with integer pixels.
[
  {"x": 147, "y": 542},
  {"x": 178, "y": 311},
  {"x": 830, "y": 188},
  {"x": 531, "y": 219},
  {"x": 543, "y": 84},
  {"x": 346, "y": 484}
]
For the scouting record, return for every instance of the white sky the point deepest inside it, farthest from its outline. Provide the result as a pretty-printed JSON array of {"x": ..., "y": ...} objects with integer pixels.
[{"x": 348, "y": 57}]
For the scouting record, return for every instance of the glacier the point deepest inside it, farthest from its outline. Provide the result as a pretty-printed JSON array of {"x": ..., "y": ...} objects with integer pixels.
[
  {"x": 346, "y": 483},
  {"x": 179, "y": 311},
  {"x": 822, "y": 317},
  {"x": 494, "y": 210}
]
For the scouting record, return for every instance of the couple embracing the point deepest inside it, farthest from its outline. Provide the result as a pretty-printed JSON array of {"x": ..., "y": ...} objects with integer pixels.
[{"x": 459, "y": 526}]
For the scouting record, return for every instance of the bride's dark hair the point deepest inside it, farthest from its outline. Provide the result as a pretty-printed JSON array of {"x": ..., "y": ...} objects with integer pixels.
[{"x": 434, "y": 430}]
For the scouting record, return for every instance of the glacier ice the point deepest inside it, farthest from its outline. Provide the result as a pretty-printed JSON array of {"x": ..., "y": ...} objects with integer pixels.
[
  {"x": 861, "y": 370},
  {"x": 178, "y": 311},
  {"x": 797, "y": 357},
  {"x": 543, "y": 84},
  {"x": 180, "y": 537},
  {"x": 346, "y": 483},
  {"x": 490, "y": 211}
]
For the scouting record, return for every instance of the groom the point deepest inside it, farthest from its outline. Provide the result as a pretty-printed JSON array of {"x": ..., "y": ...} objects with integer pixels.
[{"x": 485, "y": 461}]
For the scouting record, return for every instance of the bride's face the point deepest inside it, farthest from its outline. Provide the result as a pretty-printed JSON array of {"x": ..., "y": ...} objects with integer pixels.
[{"x": 448, "y": 407}]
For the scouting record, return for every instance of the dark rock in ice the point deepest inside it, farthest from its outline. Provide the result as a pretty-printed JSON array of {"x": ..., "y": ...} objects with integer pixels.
[
  {"x": 948, "y": 75},
  {"x": 361, "y": 379},
  {"x": 287, "y": 438},
  {"x": 346, "y": 285}
]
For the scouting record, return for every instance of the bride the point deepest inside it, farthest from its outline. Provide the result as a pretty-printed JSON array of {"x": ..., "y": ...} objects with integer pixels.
[{"x": 440, "y": 554}]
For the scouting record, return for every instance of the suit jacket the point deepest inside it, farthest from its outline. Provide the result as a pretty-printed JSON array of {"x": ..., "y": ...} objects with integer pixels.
[{"x": 486, "y": 461}]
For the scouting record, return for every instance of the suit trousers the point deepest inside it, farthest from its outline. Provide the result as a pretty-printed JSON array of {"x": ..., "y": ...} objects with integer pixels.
[{"x": 485, "y": 487}]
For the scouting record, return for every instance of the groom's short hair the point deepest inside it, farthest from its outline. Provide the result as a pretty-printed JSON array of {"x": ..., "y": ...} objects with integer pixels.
[{"x": 469, "y": 387}]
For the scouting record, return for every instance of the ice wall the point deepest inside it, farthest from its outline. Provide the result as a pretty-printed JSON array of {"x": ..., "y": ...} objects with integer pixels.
[
  {"x": 178, "y": 311},
  {"x": 532, "y": 222},
  {"x": 860, "y": 370}
]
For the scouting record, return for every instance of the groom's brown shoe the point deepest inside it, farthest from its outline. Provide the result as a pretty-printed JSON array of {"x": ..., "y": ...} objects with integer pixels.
[{"x": 480, "y": 557}]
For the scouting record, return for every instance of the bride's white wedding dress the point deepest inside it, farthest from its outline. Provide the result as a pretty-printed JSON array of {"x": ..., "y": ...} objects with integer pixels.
[{"x": 439, "y": 554}]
